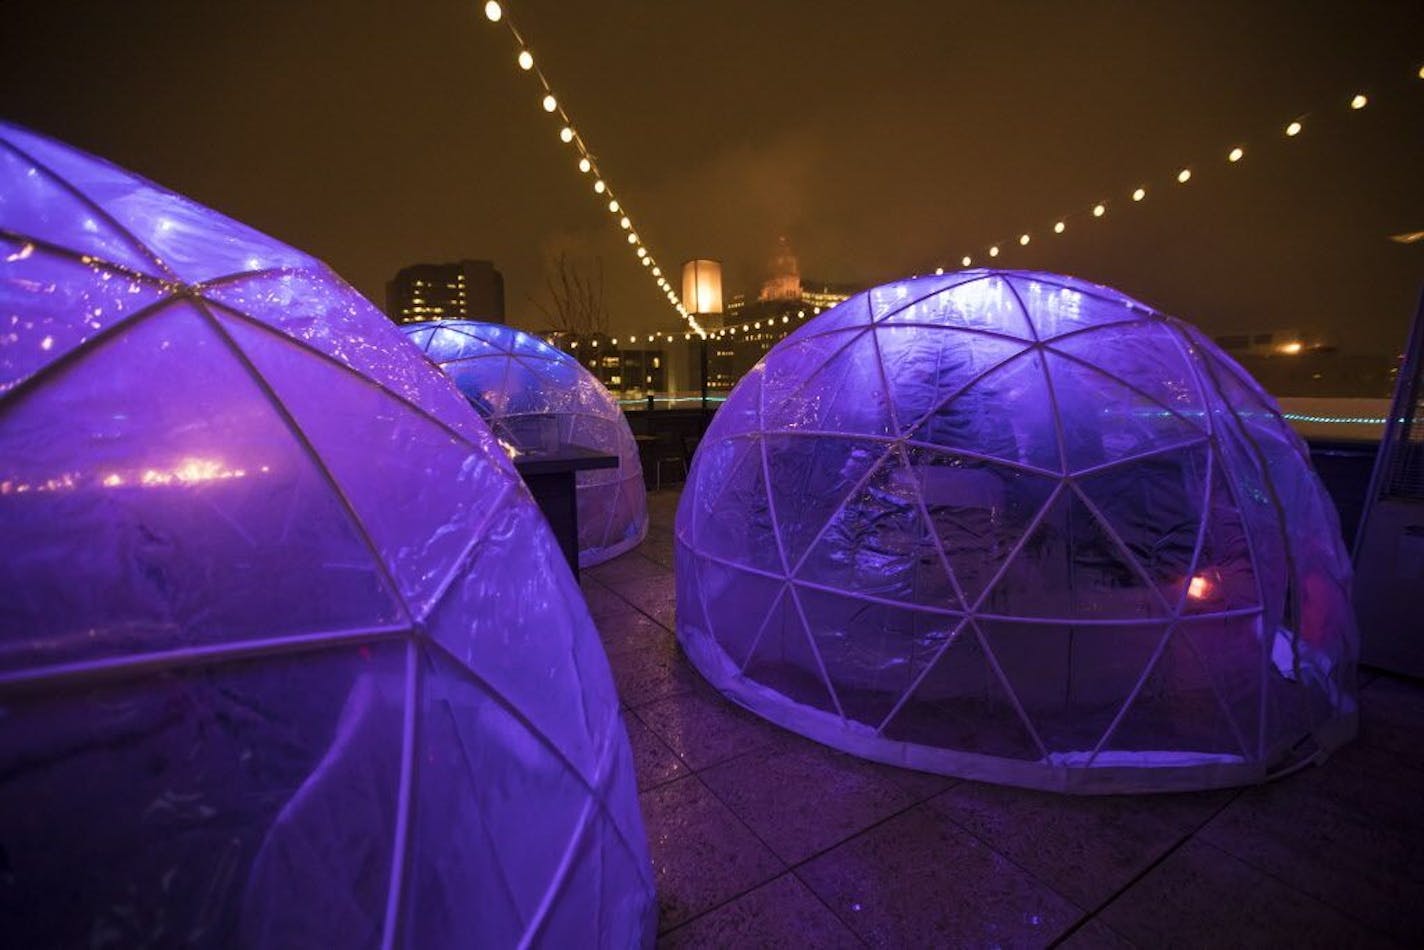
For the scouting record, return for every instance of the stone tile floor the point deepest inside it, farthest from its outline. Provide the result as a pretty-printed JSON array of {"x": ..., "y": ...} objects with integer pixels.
[{"x": 762, "y": 839}]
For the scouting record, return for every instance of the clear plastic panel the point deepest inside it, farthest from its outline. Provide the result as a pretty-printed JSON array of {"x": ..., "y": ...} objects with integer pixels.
[
  {"x": 182, "y": 508},
  {"x": 199, "y": 801},
  {"x": 319, "y": 310},
  {"x": 539, "y": 651},
  {"x": 194, "y": 242},
  {"x": 51, "y": 303},
  {"x": 972, "y": 301},
  {"x": 36, "y": 204},
  {"x": 1006, "y": 414},
  {"x": 930, "y": 366},
  {"x": 423, "y": 506},
  {"x": 844, "y": 393},
  {"x": 785, "y": 659}
]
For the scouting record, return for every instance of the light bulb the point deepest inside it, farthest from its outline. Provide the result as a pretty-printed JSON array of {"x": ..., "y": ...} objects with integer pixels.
[
  {"x": 646, "y": 260},
  {"x": 994, "y": 251},
  {"x": 1023, "y": 240},
  {"x": 966, "y": 260},
  {"x": 1184, "y": 176},
  {"x": 939, "y": 271},
  {"x": 566, "y": 135},
  {"x": 1059, "y": 228},
  {"x": 1235, "y": 154},
  {"x": 1293, "y": 129},
  {"x": 585, "y": 165},
  {"x": 550, "y": 103},
  {"x": 614, "y": 206},
  {"x": 1359, "y": 102},
  {"x": 1139, "y": 194},
  {"x": 643, "y": 253},
  {"x": 526, "y": 59},
  {"x": 493, "y": 11},
  {"x": 624, "y": 223},
  {"x": 1099, "y": 211},
  {"x": 599, "y": 187},
  {"x": 632, "y": 239},
  {"x": 657, "y": 272}
]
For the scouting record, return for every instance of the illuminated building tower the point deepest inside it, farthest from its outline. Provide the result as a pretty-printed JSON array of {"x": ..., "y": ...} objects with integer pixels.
[
  {"x": 464, "y": 290},
  {"x": 785, "y": 280}
]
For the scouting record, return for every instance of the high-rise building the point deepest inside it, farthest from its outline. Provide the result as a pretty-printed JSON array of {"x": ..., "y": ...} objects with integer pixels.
[{"x": 464, "y": 290}]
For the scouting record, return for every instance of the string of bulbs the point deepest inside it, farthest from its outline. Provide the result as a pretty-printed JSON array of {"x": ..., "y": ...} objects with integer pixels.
[
  {"x": 588, "y": 165},
  {"x": 1182, "y": 176}
]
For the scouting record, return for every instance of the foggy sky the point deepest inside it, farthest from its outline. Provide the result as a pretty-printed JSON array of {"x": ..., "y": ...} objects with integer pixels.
[{"x": 884, "y": 139}]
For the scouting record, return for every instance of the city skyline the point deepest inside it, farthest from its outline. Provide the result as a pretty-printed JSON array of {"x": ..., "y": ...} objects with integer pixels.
[{"x": 883, "y": 142}]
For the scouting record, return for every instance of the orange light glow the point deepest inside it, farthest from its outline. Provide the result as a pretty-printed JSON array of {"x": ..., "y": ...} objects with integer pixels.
[{"x": 1199, "y": 588}]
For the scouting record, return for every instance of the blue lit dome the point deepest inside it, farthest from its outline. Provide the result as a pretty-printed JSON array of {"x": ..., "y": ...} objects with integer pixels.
[
  {"x": 538, "y": 398},
  {"x": 1021, "y": 528},
  {"x": 288, "y": 656}
]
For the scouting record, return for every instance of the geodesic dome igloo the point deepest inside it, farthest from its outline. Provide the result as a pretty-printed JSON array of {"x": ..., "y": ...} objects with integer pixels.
[
  {"x": 1020, "y": 528},
  {"x": 538, "y": 399},
  {"x": 287, "y": 653}
]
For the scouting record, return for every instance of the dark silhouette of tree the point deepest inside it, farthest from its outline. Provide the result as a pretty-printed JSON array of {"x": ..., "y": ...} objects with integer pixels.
[{"x": 574, "y": 297}]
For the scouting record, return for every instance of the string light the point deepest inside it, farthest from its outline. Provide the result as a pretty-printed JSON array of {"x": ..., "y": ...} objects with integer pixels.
[
  {"x": 495, "y": 13},
  {"x": 1184, "y": 174}
]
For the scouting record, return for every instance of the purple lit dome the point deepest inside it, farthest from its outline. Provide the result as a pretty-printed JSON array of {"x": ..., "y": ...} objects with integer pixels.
[
  {"x": 1019, "y": 528},
  {"x": 287, "y": 654},
  {"x": 537, "y": 399}
]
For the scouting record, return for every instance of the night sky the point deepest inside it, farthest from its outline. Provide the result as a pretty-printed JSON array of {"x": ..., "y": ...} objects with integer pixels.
[{"x": 883, "y": 138}]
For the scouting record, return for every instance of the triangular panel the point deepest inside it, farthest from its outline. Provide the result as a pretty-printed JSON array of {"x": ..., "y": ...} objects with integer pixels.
[
  {"x": 831, "y": 383},
  {"x": 1155, "y": 506},
  {"x": 197, "y": 243},
  {"x": 424, "y": 505},
  {"x": 51, "y": 304},
  {"x": 323, "y": 312},
  {"x": 783, "y": 658},
  {"x": 978, "y": 510},
  {"x": 194, "y": 517},
  {"x": 1072, "y": 568},
  {"x": 1006, "y": 414},
  {"x": 1105, "y": 420},
  {"x": 1071, "y": 680},
  {"x": 733, "y": 516},
  {"x": 36, "y": 204},
  {"x": 1151, "y": 355},
  {"x": 812, "y": 480},
  {"x": 877, "y": 543},
  {"x": 929, "y": 365},
  {"x": 980, "y": 301},
  {"x": 1177, "y": 711},
  {"x": 961, "y": 704},
  {"x": 873, "y": 652}
]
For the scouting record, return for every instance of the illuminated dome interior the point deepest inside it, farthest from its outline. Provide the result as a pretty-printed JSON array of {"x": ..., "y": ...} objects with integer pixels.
[{"x": 1018, "y": 527}]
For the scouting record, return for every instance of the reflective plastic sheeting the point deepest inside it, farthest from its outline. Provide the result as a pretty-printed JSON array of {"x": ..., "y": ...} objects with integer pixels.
[
  {"x": 288, "y": 656},
  {"x": 1021, "y": 528},
  {"x": 538, "y": 398}
]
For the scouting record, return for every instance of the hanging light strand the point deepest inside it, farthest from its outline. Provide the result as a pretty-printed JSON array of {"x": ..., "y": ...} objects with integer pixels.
[
  {"x": 1138, "y": 193},
  {"x": 569, "y": 135}
]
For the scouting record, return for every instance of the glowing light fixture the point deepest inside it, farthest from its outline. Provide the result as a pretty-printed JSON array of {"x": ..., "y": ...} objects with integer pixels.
[
  {"x": 624, "y": 223},
  {"x": 1294, "y": 129},
  {"x": 1099, "y": 211},
  {"x": 1199, "y": 588},
  {"x": 599, "y": 187},
  {"x": 1360, "y": 101},
  {"x": 994, "y": 251},
  {"x": 1184, "y": 176},
  {"x": 1139, "y": 194},
  {"x": 1059, "y": 228},
  {"x": 550, "y": 103},
  {"x": 526, "y": 60},
  {"x": 1235, "y": 154},
  {"x": 966, "y": 260},
  {"x": 939, "y": 271},
  {"x": 1023, "y": 240},
  {"x": 566, "y": 134},
  {"x": 493, "y": 11}
]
